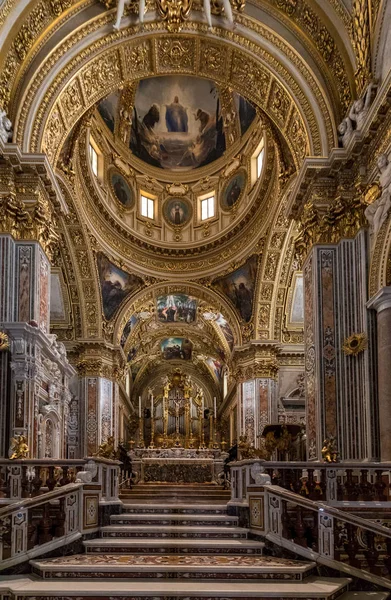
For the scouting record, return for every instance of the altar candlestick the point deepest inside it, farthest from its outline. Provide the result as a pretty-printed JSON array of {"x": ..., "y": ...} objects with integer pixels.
[{"x": 215, "y": 407}]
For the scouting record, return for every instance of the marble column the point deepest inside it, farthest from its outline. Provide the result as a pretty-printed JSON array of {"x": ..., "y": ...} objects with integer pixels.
[{"x": 381, "y": 302}]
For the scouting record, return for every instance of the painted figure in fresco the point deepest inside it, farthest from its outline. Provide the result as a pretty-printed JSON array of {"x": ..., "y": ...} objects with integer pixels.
[
  {"x": 203, "y": 117},
  {"x": 120, "y": 12},
  {"x": 377, "y": 212},
  {"x": 234, "y": 193},
  {"x": 177, "y": 214},
  {"x": 176, "y": 117},
  {"x": 121, "y": 192},
  {"x": 243, "y": 300}
]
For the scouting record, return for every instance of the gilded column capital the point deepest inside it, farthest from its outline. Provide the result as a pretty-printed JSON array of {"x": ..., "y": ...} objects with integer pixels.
[
  {"x": 99, "y": 360},
  {"x": 256, "y": 359}
]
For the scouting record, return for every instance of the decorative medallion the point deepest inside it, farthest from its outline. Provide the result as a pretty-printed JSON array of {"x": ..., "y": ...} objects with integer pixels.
[
  {"x": 355, "y": 344},
  {"x": 177, "y": 211},
  {"x": 233, "y": 190},
  {"x": 121, "y": 190}
]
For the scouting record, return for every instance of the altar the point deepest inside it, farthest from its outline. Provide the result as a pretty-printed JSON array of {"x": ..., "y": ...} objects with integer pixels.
[
  {"x": 178, "y": 465},
  {"x": 177, "y": 440}
]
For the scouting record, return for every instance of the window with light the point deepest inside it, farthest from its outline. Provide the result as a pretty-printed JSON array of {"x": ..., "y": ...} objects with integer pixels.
[
  {"x": 207, "y": 208},
  {"x": 94, "y": 160},
  {"x": 259, "y": 160},
  {"x": 147, "y": 207}
]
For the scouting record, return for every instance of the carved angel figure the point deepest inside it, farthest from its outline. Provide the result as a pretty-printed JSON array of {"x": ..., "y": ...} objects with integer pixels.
[
  {"x": 359, "y": 110},
  {"x": 19, "y": 447},
  {"x": 121, "y": 8},
  {"x": 377, "y": 212},
  {"x": 106, "y": 449},
  {"x": 5, "y": 127},
  {"x": 345, "y": 130},
  {"x": 227, "y": 11}
]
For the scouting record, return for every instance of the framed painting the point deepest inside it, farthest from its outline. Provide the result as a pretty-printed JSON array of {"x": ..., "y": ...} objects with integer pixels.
[
  {"x": 233, "y": 190},
  {"x": 121, "y": 189},
  {"x": 177, "y": 211}
]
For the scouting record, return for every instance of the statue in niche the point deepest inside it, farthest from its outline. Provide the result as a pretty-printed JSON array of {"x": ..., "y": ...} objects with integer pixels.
[
  {"x": 5, "y": 127},
  {"x": 377, "y": 212}
]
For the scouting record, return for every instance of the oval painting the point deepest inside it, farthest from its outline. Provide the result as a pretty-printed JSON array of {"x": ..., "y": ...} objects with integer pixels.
[
  {"x": 121, "y": 189},
  {"x": 233, "y": 190},
  {"x": 177, "y": 211}
]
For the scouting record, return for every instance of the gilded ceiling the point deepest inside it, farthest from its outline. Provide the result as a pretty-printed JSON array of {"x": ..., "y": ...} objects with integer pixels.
[{"x": 177, "y": 117}]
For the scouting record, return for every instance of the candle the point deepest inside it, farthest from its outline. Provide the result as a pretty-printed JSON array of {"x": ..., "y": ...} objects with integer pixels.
[
  {"x": 215, "y": 407},
  {"x": 152, "y": 407},
  {"x": 139, "y": 407},
  {"x": 202, "y": 407}
]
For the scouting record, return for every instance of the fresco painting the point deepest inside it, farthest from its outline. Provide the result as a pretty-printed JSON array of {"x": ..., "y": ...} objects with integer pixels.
[
  {"x": 176, "y": 308},
  {"x": 115, "y": 285},
  {"x": 246, "y": 112},
  {"x": 121, "y": 189},
  {"x": 108, "y": 109},
  {"x": 130, "y": 325},
  {"x": 215, "y": 366},
  {"x": 233, "y": 190},
  {"x": 226, "y": 329},
  {"x": 176, "y": 211},
  {"x": 176, "y": 348},
  {"x": 239, "y": 287},
  {"x": 177, "y": 123}
]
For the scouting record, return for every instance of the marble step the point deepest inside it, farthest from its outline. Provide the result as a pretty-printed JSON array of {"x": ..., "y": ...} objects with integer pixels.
[
  {"x": 189, "y": 508},
  {"x": 364, "y": 596},
  {"x": 311, "y": 588},
  {"x": 173, "y": 531},
  {"x": 171, "y": 545},
  {"x": 172, "y": 566},
  {"x": 173, "y": 519}
]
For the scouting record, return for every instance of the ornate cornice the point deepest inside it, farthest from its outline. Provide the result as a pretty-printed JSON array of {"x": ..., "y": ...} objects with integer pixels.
[
  {"x": 98, "y": 360},
  {"x": 255, "y": 359}
]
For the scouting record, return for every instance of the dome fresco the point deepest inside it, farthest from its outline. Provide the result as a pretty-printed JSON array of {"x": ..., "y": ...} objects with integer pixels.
[{"x": 177, "y": 121}]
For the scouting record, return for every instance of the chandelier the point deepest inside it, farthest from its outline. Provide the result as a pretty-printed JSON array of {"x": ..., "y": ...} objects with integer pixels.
[{"x": 175, "y": 12}]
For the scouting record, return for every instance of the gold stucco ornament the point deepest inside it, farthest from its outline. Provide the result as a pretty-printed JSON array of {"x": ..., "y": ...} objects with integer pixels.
[
  {"x": 355, "y": 344},
  {"x": 106, "y": 449},
  {"x": 4, "y": 341},
  {"x": 19, "y": 447}
]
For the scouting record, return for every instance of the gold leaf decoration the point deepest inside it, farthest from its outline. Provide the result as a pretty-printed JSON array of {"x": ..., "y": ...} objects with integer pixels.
[
  {"x": 4, "y": 341},
  {"x": 355, "y": 344}
]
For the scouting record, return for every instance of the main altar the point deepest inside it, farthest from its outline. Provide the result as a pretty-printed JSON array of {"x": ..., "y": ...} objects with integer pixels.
[{"x": 177, "y": 436}]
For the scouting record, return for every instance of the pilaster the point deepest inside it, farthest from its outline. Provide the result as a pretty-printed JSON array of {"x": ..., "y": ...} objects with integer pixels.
[
  {"x": 337, "y": 329},
  {"x": 100, "y": 368},
  {"x": 256, "y": 370}
]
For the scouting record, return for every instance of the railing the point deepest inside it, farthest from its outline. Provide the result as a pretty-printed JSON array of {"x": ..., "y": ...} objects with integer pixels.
[
  {"x": 45, "y": 511},
  {"x": 314, "y": 529},
  {"x": 28, "y": 478},
  {"x": 339, "y": 484},
  {"x": 37, "y": 525},
  {"x": 328, "y": 535}
]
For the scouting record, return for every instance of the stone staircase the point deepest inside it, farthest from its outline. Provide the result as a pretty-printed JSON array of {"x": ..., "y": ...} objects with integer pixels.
[{"x": 166, "y": 550}]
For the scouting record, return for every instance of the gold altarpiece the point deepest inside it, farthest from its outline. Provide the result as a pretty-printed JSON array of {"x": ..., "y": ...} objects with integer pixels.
[{"x": 177, "y": 416}]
